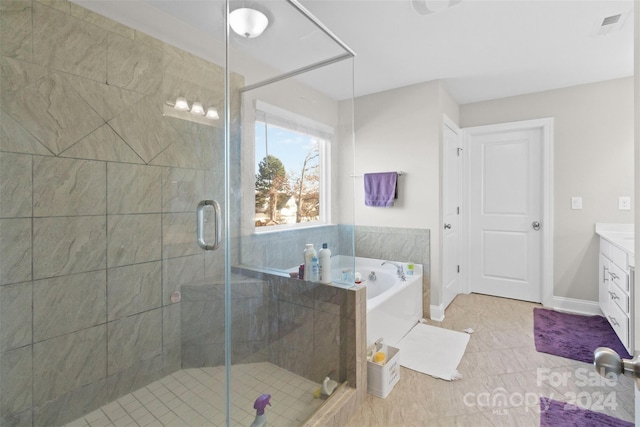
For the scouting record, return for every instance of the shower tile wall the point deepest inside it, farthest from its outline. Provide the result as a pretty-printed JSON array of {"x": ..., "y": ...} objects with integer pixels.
[
  {"x": 291, "y": 323},
  {"x": 284, "y": 250},
  {"x": 97, "y": 191}
]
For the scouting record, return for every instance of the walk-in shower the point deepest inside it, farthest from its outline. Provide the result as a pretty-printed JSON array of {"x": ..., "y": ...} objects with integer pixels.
[{"x": 144, "y": 276}]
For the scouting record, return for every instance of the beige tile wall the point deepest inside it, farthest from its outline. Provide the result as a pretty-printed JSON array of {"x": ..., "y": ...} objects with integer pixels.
[{"x": 97, "y": 190}]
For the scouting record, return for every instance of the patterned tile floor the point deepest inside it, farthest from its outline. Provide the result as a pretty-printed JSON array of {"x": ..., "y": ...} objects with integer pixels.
[
  {"x": 503, "y": 377},
  {"x": 195, "y": 397}
]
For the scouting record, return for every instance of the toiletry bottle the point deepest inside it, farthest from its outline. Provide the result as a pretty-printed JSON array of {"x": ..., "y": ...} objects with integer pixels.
[
  {"x": 259, "y": 405},
  {"x": 315, "y": 269},
  {"x": 309, "y": 255},
  {"x": 328, "y": 386},
  {"x": 324, "y": 261},
  {"x": 410, "y": 269}
]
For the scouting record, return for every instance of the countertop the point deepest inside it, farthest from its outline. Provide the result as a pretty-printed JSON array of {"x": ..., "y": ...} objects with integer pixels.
[{"x": 621, "y": 235}]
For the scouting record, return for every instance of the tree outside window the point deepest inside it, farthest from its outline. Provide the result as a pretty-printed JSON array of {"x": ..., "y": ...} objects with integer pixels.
[{"x": 288, "y": 177}]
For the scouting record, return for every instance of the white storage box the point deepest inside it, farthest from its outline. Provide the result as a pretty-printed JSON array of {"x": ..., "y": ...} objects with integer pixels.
[{"x": 382, "y": 378}]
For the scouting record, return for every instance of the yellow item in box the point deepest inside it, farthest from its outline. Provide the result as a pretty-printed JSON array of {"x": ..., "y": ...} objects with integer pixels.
[{"x": 379, "y": 357}]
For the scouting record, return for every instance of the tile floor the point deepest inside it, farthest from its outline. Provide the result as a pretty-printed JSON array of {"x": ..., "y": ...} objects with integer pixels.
[
  {"x": 195, "y": 397},
  {"x": 502, "y": 377}
]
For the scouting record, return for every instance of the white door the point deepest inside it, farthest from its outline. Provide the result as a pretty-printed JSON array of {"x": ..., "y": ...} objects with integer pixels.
[
  {"x": 505, "y": 212},
  {"x": 452, "y": 227}
]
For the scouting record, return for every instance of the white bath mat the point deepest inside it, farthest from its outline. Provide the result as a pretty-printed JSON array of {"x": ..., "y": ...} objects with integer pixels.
[{"x": 433, "y": 351}]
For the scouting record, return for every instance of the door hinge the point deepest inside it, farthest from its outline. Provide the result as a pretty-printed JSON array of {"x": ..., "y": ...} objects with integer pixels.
[
  {"x": 459, "y": 151},
  {"x": 458, "y": 210},
  {"x": 458, "y": 269}
]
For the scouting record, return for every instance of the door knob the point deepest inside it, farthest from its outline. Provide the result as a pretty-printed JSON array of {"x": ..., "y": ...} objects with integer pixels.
[
  {"x": 607, "y": 361},
  {"x": 535, "y": 225},
  {"x": 447, "y": 226}
]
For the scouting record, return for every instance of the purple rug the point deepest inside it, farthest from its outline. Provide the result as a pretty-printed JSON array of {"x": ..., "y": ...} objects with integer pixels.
[
  {"x": 554, "y": 414},
  {"x": 572, "y": 335}
]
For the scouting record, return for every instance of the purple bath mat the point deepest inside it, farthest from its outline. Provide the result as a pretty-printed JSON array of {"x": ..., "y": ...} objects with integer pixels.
[
  {"x": 554, "y": 414},
  {"x": 572, "y": 335}
]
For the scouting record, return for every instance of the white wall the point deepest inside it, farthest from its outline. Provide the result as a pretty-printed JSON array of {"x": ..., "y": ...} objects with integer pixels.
[
  {"x": 593, "y": 158},
  {"x": 400, "y": 130}
]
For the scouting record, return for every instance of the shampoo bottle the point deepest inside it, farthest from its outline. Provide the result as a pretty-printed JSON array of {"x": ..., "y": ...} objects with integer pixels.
[
  {"x": 324, "y": 261},
  {"x": 309, "y": 255}
]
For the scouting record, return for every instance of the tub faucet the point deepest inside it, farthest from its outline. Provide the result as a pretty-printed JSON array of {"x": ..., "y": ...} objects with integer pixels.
[{"x": 400, "y": 269}]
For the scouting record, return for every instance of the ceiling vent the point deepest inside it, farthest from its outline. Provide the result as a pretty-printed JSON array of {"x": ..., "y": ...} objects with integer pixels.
[
  {"x": 610, "y": 24},
  {"x": 610, "y": 20}
]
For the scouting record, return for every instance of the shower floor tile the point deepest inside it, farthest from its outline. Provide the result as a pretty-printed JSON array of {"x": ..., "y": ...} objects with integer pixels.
[{"x": 195, "y": 397}]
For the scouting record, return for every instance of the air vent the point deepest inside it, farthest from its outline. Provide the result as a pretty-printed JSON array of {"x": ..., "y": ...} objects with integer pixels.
[
  {"x": 610, "y": 24},
  {"x": 610, "y": 20}
]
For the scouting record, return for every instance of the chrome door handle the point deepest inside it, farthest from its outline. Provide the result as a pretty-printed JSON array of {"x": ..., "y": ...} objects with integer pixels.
[
  {"x": 535, "y": 225},
  {"x": 607, "y": 361},
  {"x": 200, "y": 225},
  {"x": 447, "y": 226}
]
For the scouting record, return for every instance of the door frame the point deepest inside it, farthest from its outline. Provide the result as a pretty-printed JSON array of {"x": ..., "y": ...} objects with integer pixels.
[
  {"x": 462, "y": 223},
  {"x": 546, "y": 256}
]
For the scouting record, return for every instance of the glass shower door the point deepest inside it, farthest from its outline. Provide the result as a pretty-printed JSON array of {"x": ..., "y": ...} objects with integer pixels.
[{"x": 290, "y": 139}]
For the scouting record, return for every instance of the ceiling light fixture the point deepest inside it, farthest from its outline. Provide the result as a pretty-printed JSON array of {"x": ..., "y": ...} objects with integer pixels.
[
  {"x": 248, "y": 22},
  {"x": 425, "y": 7}
]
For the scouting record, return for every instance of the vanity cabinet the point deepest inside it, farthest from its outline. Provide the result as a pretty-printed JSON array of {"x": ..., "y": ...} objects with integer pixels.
[{"x": 616, "y": 276}]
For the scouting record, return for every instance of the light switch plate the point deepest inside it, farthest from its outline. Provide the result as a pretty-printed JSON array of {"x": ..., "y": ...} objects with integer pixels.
[
  {"x": 624, "y": 203},
  {"x": 576, "y": 203}
]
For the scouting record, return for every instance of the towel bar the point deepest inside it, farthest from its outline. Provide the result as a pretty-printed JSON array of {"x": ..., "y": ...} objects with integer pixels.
[{"x": 400, "y": 173}]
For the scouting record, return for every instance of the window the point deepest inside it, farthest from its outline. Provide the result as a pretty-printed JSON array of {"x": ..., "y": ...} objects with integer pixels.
[{"x": 291, "y": 170}]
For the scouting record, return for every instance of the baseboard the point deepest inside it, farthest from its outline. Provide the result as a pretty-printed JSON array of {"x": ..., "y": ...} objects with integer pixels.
[
  {"x": 577, "y": 306},
  {"x": 569, "y": 305},
  {"x": 436, "y": 312}
]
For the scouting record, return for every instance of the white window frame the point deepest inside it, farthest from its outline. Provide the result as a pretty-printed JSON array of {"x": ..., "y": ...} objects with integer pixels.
[{"x": 276, "y": 116}]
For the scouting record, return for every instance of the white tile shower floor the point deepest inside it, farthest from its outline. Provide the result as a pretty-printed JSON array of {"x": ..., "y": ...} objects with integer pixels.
[{"x": 195, "y": 397}]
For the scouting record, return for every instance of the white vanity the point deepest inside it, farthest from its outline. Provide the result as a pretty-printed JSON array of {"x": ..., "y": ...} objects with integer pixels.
[{"x": 616, "y": 279}]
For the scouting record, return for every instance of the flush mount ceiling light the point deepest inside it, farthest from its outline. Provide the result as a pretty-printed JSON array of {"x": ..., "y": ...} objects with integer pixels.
[
  {"x": 425, "y": 7},
  {"x": 248, "y": 22}
]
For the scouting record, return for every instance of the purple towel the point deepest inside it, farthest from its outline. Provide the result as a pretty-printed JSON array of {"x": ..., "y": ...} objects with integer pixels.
[{"x": 380, "y": 189}]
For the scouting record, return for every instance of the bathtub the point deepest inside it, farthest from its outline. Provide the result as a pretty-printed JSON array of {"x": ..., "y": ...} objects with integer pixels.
[{"x": 393, "y": 306}]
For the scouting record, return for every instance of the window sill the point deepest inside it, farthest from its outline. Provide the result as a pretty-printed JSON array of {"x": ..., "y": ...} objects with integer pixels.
[{"x": 281, "y": 229}]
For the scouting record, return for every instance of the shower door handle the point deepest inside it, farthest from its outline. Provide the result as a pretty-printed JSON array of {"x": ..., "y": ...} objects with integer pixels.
[{"x": 200, "y": 225}]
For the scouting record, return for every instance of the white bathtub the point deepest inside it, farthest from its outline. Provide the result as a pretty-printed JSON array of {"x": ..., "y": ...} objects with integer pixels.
[{"x": 393, "y": 306}]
